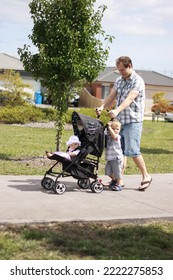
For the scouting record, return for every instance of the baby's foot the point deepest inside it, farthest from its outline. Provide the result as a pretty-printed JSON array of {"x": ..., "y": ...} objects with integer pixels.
[{"x": 48, "y": 154}]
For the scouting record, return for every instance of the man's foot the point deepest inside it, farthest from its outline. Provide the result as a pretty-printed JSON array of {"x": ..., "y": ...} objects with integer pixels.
[{"x": 145, "y": 184}]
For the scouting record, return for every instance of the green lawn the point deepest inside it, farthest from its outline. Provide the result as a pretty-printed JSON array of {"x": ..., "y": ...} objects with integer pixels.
[{"x": 22, "y": 149}]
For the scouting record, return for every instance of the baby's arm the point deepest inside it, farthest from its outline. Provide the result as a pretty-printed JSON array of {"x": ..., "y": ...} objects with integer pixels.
[{"x": 74, "y": 153}]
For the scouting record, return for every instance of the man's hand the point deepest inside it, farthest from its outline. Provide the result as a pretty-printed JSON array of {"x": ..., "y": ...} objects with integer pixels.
[
  {"x": 99, "y": 110},
  {"x": 113, "y": 114}
]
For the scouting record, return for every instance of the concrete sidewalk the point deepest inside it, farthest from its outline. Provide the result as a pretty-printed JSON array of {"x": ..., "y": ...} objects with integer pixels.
[{"x": 23, "y": 200}]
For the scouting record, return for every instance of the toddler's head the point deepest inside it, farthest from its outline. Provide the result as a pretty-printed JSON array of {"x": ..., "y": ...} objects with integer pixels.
[{"x": 116, "y": 126}]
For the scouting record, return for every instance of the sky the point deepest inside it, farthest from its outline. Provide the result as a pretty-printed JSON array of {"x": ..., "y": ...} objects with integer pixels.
[{"x": 143, "y": 30}]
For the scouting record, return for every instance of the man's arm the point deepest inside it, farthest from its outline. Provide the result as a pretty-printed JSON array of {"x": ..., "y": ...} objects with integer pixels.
[
  {"x": 129, "y": 99},
  {"x": 107, "y": 102}
]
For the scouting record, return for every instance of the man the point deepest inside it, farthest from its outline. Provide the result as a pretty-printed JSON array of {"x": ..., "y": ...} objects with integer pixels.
[{"x": 129, "y": 92}]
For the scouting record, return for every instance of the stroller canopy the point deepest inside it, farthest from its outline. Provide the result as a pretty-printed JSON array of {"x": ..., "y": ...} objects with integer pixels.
[{"x": 89, "y": 130}]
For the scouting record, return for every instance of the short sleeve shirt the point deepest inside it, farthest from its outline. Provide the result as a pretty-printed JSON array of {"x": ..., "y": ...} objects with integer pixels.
[
  {"x": 113, "y": 150},
  {"x": 135, "y": 111}
]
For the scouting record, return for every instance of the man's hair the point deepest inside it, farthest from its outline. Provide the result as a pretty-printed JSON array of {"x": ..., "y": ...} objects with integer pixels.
[{"x": 125, "y": 61}]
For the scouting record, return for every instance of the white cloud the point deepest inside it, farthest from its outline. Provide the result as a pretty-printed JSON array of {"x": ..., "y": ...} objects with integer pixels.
[
  {"x": 142, "y": 30},
  {"x": 14, "y": 11},
  {"x": 132, "y": 17}
]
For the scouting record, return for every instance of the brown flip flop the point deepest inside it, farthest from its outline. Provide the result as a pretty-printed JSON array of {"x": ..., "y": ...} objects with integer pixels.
[{"x": 146, "y": 184}]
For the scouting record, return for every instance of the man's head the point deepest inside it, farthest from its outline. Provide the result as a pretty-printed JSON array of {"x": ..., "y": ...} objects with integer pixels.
[{"x": 124, "y": 66}]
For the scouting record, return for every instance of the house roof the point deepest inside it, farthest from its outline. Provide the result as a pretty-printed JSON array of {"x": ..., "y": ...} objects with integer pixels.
[
  {"x": 109, "y": 75},
  {"x": 10, "y": 62}
]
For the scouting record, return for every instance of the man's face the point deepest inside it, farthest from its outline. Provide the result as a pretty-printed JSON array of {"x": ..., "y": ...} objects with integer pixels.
[{"x": 124, "y": 72}]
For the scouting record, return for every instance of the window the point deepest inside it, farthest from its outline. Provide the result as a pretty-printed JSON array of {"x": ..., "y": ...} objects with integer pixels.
[{"x": 105, "y": 91}]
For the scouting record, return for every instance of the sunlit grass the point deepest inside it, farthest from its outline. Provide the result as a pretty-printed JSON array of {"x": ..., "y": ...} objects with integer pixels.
[{"x": 19, "y": 143}]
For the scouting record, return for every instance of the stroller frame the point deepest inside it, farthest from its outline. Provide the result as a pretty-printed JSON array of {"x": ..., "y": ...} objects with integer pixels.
[{"x": 82, "y": 167}]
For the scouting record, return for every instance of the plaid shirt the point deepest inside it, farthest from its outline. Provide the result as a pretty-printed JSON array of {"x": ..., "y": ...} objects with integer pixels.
[
  {"x": 113, "y": 150},
  {"x": 135, "y": 111}
]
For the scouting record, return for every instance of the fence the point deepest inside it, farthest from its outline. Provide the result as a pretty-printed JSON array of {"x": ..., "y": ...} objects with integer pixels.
[{"x": 89, "y": 101}]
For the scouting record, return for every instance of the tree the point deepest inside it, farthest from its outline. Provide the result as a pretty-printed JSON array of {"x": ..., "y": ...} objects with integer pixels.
[
  {"x": 158, "y": 96},
  {"x": 69, "y": 38},
  {"x": 15, "y": 90},
  {"x": 161, "y": 104}
]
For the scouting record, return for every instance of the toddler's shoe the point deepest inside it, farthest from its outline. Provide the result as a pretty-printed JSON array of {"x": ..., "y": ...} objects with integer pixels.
[
  {"x": 112, "y": 183},
  {"x": 116, "y": 188}
]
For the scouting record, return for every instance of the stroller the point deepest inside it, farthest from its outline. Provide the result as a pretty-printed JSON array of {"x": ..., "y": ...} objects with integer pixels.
[{"x": 84, "y": 166}]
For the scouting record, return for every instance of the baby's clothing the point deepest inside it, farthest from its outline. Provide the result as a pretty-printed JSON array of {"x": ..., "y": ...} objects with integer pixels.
[{"x": 66, "y": 154}]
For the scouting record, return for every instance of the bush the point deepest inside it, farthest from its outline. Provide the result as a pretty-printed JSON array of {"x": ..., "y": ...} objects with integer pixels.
[
  {"x": 29, "y": 113},
  {"x": 50, "y": 113},
  {"x": 162, "y": 106},
  {"x": 21, "y": 114}
]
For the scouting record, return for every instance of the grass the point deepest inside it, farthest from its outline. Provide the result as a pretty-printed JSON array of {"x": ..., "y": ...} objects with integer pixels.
[
  {"x": 156, "y": 147},
  {"x": 88, "y": 241},
  {"x": 19, "y": 146},
  {"x": 22, "y": 149}
]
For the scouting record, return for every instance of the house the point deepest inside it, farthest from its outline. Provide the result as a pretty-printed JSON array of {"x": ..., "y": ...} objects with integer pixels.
[
  {"x": 154, "y": 82},
  {"x": 10, "y": 62},
  {"x": 101, "y": 86}
]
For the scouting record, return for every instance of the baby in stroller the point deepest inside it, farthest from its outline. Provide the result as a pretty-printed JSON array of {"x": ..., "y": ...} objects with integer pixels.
[{"x": 73, "y": 149}]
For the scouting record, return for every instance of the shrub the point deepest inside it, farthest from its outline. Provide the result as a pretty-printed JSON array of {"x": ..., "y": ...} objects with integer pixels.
[
  {"x": 162, "y": 106},
  {"x": 29, "y": 113},
  {"x": 21, "y": 114},
  {"x": 50, "y": 113}
]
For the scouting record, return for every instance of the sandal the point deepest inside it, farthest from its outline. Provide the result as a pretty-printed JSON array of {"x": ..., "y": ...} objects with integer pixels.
[{"x": 145, "y": 185}]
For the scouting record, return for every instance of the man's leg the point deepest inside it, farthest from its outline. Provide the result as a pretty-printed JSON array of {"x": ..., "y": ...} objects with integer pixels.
[
  {"x": 146, "y": 181},
  {"x": 132, "y": 137}
]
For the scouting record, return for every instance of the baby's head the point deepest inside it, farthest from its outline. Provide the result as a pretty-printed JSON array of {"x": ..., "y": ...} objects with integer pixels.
[
  {"x": 73, "y": 142},
  {"x": 73, "y": 146},
  {"x": 116, "y": 126}
]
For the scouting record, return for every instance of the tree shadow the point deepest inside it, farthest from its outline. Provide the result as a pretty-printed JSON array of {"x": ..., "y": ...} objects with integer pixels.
[
  {"x": 155, "y": 151},
  {"x": 140, "y": 240}
]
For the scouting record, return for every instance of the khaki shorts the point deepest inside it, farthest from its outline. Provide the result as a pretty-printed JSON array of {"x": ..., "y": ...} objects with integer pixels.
[{"x": 114, "y": 168}]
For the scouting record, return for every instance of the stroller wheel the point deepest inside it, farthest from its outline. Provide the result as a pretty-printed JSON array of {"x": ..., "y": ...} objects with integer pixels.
[
  {"x": 59, "y": 188},
  {"x": 96, "y": 187},
  {"x": 84, "y": 183},
  {"x": 47, "y": 183}
]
